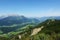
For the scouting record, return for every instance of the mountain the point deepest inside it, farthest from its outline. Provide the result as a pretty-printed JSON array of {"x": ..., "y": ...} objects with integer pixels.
[
  {"x": 10, "y": 20},
  {"x": 42, "y": 19},
  {"x": 13, "y": 23}
]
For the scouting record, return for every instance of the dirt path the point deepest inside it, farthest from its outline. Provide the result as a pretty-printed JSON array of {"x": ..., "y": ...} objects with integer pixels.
[{"x": 36, "y": 30}]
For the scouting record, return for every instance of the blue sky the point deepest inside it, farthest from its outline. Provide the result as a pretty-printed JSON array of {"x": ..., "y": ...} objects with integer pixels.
[{"x": 30, "y": 8}]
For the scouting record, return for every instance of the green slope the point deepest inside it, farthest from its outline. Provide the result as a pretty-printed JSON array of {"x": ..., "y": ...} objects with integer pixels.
[{"x": 51, "y": 31}]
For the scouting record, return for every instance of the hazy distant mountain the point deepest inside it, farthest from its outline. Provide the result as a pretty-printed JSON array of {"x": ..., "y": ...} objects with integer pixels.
[
  {"x": 51, "y": 17},
  {"x": 10, "y": 20}
]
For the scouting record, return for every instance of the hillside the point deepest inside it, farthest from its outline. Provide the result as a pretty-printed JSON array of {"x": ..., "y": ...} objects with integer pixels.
[{"x": 50, "y": 31}]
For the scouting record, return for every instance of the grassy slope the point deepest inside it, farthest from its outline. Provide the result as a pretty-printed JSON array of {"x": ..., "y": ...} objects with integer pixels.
[{"x": 51, "y": 31}]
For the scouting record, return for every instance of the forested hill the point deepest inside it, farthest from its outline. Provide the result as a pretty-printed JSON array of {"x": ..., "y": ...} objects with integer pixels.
[{"x": 51, "y": 25}]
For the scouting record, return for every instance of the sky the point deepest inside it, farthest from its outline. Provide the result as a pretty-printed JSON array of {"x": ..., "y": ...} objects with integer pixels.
[{"x": 30, "y": 8}]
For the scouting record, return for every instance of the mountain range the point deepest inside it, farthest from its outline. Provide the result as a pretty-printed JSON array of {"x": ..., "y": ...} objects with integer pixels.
[{"x": 10, "y": 20}]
